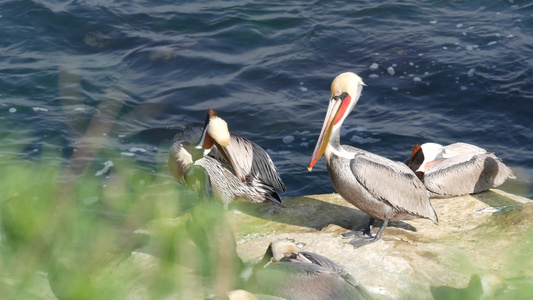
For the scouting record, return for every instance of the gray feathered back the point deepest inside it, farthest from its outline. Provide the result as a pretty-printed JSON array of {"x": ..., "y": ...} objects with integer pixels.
[
  {"x": 466, "y": 174},
  {"x": 390, "y": 183},
  {"x": 302, "y": 281}
]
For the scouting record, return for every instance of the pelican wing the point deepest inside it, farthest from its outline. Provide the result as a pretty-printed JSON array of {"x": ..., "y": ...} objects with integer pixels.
[
  {"x": 299, "y": 280},
  {"x": 466, "y": 174},
  {"x": 228, "y": 187},
  {"x": 263, "y": 167},
  {"x": 223, "y": 182},
  {"x": 338, "y": 269},
  {"x": 254, "y": 160},
  {"x": 324, "y": 262},
  {"x": 462, "y": 148},
  {"x": 391, "y": 182}
]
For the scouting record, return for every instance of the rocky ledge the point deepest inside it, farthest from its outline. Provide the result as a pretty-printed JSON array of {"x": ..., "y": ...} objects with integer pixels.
[{"x": 488, "y": 234}]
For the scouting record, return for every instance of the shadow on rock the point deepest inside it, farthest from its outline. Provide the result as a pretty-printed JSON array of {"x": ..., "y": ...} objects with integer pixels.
[
  {"x": 486, "y": 286},
  {"x": 496, "y": 200},
  {"x": 472, "y": 291},
  {"x": 312, "y": 213}
]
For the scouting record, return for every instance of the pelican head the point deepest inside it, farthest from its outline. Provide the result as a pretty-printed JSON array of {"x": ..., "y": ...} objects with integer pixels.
[
  {"x": 432, "y": 153},
  {"x": 216, "y": 133},
  {"x": 345, "y": 92},
  {"x": 424, "y": 156},
  {"x": 284, "y": 250},
  {"x": 217, "y": 129}
]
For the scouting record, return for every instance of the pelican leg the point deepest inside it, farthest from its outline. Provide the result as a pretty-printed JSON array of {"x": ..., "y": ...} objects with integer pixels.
[
  {"x": 365, "y": 237},
  {"x": 358, "y": 233},
  {"x": 380, "y": 231},
  {"x": 368, "y": 229}
]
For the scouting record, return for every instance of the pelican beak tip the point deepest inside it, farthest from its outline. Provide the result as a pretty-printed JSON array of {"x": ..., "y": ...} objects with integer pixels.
[{"x": 309, "y": 169}]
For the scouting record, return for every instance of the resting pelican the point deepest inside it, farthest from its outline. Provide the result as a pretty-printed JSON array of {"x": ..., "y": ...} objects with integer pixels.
[
  {"x": 457, "y": 169},
  {"x": 384, "y": 189},
  {"x": 186, "y": 161},
  {"x": 287, "y": 272}
]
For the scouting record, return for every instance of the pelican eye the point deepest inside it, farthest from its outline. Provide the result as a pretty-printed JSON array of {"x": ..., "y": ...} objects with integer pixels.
[{"x": 339, "y": 96}]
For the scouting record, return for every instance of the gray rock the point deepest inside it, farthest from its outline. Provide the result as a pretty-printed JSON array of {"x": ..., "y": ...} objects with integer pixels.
[
  {"x": 489, "y": 234},
  {"x": 486, "y": 233}
]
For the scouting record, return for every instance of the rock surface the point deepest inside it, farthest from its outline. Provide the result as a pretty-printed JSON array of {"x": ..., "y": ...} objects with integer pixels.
[{"x": 486, "y": 233}]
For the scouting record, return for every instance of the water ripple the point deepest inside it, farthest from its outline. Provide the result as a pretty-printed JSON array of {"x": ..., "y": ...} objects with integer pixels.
[{"x": 440, "y": 71}]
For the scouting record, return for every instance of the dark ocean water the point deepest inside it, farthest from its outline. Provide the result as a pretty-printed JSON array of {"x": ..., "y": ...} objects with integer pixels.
[{"x": 440, "y": 71}]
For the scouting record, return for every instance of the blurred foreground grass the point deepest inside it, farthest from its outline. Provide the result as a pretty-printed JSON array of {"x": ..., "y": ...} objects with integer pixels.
[
  {"x": 68, "y": 232},
  {"x": 78, "y": 233}
]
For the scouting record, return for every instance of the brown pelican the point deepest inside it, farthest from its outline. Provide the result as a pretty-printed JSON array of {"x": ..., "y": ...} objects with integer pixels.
[
  {"x": 260, "y": 181},
  {"x": 384, "y": 189},
  {"x": 248, "y": 160},
  {"x": 287, "y": 272},
  {"x": 457, "y": 169}
]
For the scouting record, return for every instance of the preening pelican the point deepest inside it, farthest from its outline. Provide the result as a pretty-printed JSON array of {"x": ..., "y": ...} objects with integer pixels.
[
  {"x": 249, "y": 161},
  {"x": 232, "y": 173},
  {"x": 457, "y": 169},
  {"x": 384, "y": 189}
]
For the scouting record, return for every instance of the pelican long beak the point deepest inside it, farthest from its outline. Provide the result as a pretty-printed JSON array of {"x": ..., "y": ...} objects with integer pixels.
[
  {"x": 271, "y": 261},
  {"x": 325, "y": 134},
  {"x": 299, "y": 257},
  {"x": 425, "y": 165},
  {"x": 206, "y": 141},
  {"x": 233, "y": 160}
]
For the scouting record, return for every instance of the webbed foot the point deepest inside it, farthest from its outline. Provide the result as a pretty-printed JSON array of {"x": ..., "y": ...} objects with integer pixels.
[
  {"x": 364, "y": 237},
  {"x": 362, "y": 241},
  {"x": 358, "y": 234}
]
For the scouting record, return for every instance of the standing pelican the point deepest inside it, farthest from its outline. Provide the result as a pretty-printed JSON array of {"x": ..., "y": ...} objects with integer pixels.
[
  {"x": 287, "y": 272},
  {"x": 186, "y": 161},
  {"x": 384, "y": 189},
  {"x": 457, "y": 169}
]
